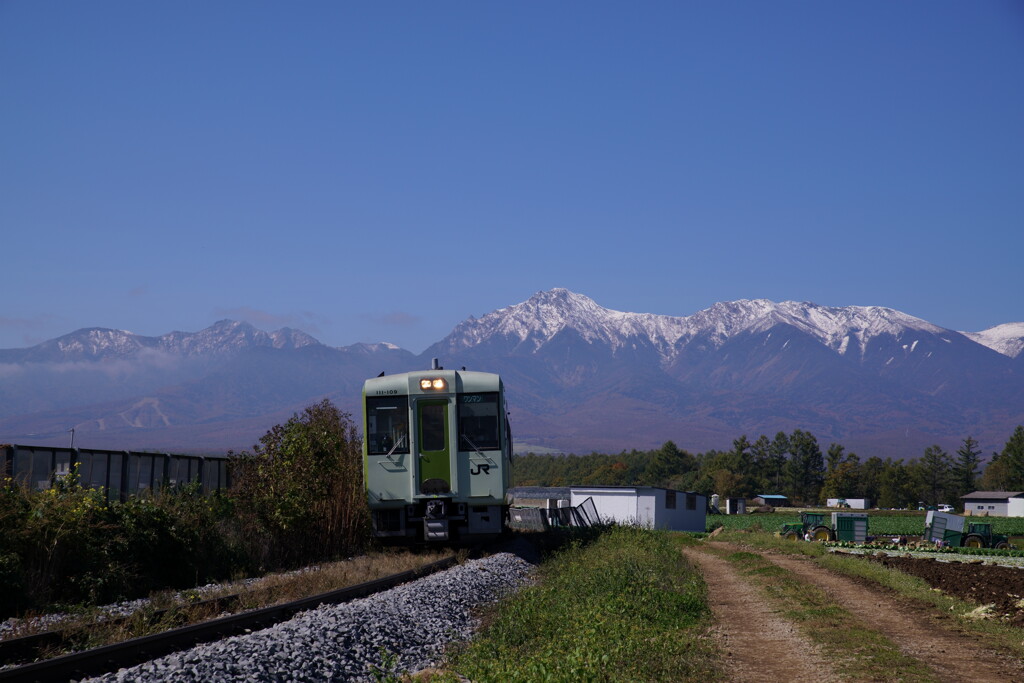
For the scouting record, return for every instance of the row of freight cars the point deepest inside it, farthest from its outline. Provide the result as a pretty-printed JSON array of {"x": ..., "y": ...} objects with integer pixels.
[
  {"x": 941, "y": 528},
  {"x": 119, "y": 474}
]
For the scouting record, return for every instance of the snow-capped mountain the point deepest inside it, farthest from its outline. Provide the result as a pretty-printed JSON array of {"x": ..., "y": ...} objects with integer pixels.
[
  {"x": 581, "y": 377},
  {"x": 98, "y": 343},
  {"x": 529, "y": 326},
  {"x": 1007, "y": 339}
]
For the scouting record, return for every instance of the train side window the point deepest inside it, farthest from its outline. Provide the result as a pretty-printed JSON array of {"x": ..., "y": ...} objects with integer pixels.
[
  {"x": 387, "y": 425},
  {"x": 479, "y": 422}
]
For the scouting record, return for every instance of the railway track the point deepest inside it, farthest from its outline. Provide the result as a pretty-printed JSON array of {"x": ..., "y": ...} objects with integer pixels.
[{"x": 137, "y": 650}]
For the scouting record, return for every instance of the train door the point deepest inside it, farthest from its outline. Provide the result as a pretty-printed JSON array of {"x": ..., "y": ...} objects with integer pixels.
[{"x": 434, "y": 449}]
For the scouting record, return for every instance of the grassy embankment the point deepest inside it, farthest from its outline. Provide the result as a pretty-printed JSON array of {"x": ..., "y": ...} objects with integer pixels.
[
  {"x": 625, "y": 607},
  {"x": 990, "y": 633}
]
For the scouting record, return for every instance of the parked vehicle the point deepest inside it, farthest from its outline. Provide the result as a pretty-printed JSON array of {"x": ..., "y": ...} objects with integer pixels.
[
  {"x": 845, "y": 526},
  {"x": 948, "y": 529}
]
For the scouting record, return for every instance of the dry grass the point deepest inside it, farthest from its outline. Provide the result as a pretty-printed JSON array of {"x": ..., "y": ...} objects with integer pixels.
[{"x": 168, "y": 610}]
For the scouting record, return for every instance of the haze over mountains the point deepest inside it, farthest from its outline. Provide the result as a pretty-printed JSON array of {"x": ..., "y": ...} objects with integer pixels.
[{"x": 580, "y": 378}]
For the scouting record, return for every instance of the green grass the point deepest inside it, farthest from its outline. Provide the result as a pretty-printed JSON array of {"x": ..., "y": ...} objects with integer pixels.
[
  {"x": 626, "y": 607},
  {"x": 858, "y": 652}
]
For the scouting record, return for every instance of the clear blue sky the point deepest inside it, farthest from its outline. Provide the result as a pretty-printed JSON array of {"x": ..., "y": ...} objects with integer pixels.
[{"x": 380, "y": 171}]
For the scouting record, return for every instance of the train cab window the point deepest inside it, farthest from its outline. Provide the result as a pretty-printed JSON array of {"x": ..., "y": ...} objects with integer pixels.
[
  {"x": 432, "y": 421},
  {"x": 387, "y": 425},
  {"x": 478, "y": 422}
]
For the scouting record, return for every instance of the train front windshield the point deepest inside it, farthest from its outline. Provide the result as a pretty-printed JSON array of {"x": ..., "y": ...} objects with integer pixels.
[
  {"x": 387, "y": 425},
  {"x": 478, "y": 421}
]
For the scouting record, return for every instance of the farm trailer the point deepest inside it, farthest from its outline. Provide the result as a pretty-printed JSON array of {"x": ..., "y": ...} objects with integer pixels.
[
  {"x": 948, "y": 529},
  {"x": 846, "y": 526}
]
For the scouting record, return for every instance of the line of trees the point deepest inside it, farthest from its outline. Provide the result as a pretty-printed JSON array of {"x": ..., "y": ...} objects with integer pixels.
[{"x": 793, "y": 465}]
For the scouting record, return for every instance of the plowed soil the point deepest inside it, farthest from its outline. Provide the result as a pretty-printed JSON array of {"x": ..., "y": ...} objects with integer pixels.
[{"x": 1002, "y": 587}]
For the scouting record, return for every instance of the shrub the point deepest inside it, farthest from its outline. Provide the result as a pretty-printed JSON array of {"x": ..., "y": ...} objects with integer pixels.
[{"x": 299, "y": 497}]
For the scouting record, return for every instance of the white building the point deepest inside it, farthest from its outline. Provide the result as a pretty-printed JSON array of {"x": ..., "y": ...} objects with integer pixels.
[
  {"x": 994, "y": 503},
  {"x": 648, "y": 506},
  {"x": 852, "y": 503}
]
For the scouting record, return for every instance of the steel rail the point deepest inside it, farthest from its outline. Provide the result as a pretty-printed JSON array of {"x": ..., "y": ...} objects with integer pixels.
[{"x": 110, "y": 658}]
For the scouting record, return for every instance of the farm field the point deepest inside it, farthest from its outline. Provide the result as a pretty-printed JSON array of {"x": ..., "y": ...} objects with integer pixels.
[
  {"x": 746, "y": 606},
  {"x": 881, "y": 522},
  {"x": 999, "y": 587},
  {"x": 941, "y": 621}
]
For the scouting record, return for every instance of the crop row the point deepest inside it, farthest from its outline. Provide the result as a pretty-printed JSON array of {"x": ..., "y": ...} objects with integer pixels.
[
  {"x": 988, "y": 552},
  {"x": 908, "y": 524}
]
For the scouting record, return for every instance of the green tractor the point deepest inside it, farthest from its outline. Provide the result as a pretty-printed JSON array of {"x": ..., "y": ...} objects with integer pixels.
[
  {"x": 813, "y": 522},
  {"x": 979, "y": 535}
]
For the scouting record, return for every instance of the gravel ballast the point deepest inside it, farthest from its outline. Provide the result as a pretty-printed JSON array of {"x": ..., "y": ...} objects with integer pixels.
[{"x": 404, "y": 629}]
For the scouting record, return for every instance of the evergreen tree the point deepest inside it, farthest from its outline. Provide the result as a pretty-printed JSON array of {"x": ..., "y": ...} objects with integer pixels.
[
  {"x": 835, "y": 457},
  {"x": 762, "y": 465},
  {"x": 895, "y": 487},
  {"x": 871, "y": 479},
  {"x": 935, "y": 475},
  {"x": 667, "y": 464},
  {"x": 806, "y": 467},
  {"x": 777, "y": 458},
  {"x": 1012, "y": 457},
  {"x": 965, "y": 470}
]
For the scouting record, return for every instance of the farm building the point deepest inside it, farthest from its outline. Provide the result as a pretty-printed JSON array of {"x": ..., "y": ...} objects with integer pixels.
[
  {"x": 852, "y": 503},
  {"x": 648, "y": 506},
  {"x": 773, "y": 499},
  {"x": 994, "y": 503},
  {"x": 735, "y": 506}
]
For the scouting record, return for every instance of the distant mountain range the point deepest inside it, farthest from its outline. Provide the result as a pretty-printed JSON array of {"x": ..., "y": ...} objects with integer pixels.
[{"x": 580, "y": 378}]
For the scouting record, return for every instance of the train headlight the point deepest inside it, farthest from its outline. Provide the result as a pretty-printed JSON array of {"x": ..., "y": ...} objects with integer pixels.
[
  {"x": 424, "y": 384},
  {"x": 434, "y": 384},
  {"x": 438, "y": 384}
]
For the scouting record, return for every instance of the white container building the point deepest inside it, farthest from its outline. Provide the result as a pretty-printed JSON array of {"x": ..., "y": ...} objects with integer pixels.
[
  {"x": 851, "y": 503},
  {"x": 648, "y": 506}
]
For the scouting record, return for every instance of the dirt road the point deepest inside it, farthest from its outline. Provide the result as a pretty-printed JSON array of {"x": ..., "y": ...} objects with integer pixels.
[
  {"x": 759, "y": 644},
  {"x": 762, "y": 645}
]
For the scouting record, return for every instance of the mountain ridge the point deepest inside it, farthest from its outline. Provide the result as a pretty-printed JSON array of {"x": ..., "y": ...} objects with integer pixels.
[{"x": 580, "y": 377}]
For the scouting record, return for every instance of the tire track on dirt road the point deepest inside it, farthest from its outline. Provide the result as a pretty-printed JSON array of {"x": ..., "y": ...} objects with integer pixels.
[
  {"x": 759, "y": 644},
  {"x": 952, "y": 655}
]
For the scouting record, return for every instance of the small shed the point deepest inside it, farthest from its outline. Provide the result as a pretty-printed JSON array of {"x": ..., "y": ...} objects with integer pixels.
[
  {"x": 773, "y": 499},
  {"x": 850, "y": 526},
  {"x": 994, "y": 503},
  {"x": 648, "y": 506}
]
